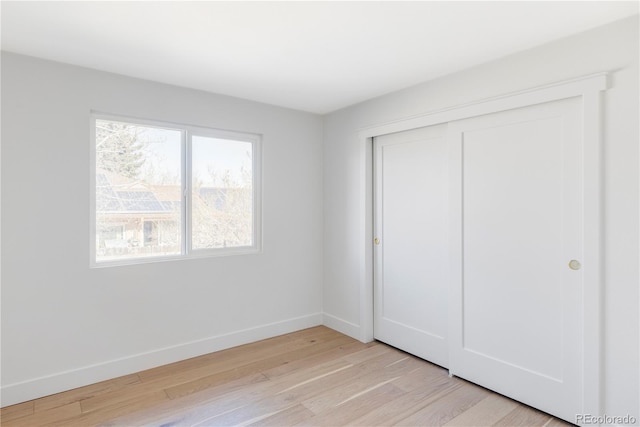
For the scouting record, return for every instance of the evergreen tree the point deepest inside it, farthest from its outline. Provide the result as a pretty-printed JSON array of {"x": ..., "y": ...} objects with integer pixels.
[{"x": 119, "y": 148}]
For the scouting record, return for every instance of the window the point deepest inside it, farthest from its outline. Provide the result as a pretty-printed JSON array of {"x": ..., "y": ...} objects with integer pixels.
[{"x": 163, "y": 191}]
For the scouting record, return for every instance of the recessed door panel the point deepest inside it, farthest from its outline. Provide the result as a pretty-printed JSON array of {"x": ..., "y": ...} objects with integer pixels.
[
  {"x": 516, "y": 226},
  {"x": 411, "y": 251}
]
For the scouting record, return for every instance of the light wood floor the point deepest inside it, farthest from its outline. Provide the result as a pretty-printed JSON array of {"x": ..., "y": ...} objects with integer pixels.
[{"x": 311, "y": 377}]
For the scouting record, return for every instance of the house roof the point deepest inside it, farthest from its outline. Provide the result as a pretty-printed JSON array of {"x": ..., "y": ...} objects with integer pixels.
[
  {"x": 139, "y": 198},
  {"x": 117, "y": 194}
]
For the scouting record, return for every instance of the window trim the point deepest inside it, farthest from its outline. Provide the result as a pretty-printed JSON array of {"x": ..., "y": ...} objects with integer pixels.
[{"x": 187, "y": 132}]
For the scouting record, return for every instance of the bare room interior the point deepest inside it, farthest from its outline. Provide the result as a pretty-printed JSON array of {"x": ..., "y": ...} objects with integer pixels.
[{"x": 320, "y": 213}]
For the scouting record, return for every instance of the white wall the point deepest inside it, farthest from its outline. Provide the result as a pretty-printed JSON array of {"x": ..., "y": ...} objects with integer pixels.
[
  {"x": 66, "y": 325},
  {"x": 612, "y": 48}
]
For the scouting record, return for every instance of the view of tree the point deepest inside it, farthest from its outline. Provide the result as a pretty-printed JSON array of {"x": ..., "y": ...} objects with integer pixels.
[
  {"x": 119, "y": 148},
  {"x": 222, "y": 216}
]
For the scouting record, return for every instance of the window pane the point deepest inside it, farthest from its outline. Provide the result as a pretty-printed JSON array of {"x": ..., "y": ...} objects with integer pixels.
[
  {"x": 222, "y": 193},
  {"x": 138, "y": 196}
]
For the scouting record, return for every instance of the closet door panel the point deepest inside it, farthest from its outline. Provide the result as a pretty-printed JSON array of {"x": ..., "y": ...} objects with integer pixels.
[
  {"x": 515, "y": 307},
  {"x": 410, "y": 291}
]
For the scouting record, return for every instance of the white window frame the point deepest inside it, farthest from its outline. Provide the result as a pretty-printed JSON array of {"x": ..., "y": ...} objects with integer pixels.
[{"x": 187, "y": 132}]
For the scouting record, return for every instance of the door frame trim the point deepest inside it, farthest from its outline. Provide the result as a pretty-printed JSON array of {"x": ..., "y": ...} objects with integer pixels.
[{"x": 589, "y": 89}]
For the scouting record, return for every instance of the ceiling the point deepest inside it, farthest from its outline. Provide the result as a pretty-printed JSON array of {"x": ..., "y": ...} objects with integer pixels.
[{"x": 311, "y": 56}]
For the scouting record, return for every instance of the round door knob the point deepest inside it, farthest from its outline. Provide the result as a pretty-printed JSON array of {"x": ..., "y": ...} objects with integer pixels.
[
  {"x": 574, "y": 264},
  {"x": 376, "y": 241}
]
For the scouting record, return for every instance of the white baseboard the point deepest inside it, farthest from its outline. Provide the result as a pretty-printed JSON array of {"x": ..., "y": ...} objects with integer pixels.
[
  {"x": 341, "y": 325},
  {"x": 62, "y": 381}
]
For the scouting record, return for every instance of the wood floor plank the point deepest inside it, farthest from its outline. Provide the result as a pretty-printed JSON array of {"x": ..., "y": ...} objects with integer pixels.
[
  {"x": 291, "y": 416},
  {"x": 83, "y": 393},
  {"x": 485, "y": 413},
  {"x": 244, "y": 354},
  {"x": 318, "y": 357},
  {"x": 14, "y": 412},
  {"x": 523, "y": 416},
  {"x": 368, "y": 353},
  {"x": 139, "y": 403},
  {"x": 344, "y": 413},
  {"x": 411, "y": 402},
  {"x": 424, "y": 374},
  {"x": 556, "y": 422},
  {"x": 46, "y": 417},
  {"x": 447, "y": 407},
  {"x": 375, "y": 376},
  {"x": 312, "y": 377},
  {"x": 249, "y": 368},
  {"x": 245, "y": 414},
  {"x": 178, "y": 411},
  {"x": 268, "y": 398},
  {"x": 241, "y": 355},
  {"x": 254, "y": 394}
]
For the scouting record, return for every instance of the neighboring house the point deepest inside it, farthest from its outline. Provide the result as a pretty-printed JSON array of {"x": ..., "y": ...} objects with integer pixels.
[{"x": 136, "y": 218}]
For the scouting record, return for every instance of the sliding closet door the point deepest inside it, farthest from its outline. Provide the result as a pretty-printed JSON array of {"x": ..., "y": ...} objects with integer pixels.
[
  {"x": 411, "y": 244},
  {"x": 516, "y": 236}
]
